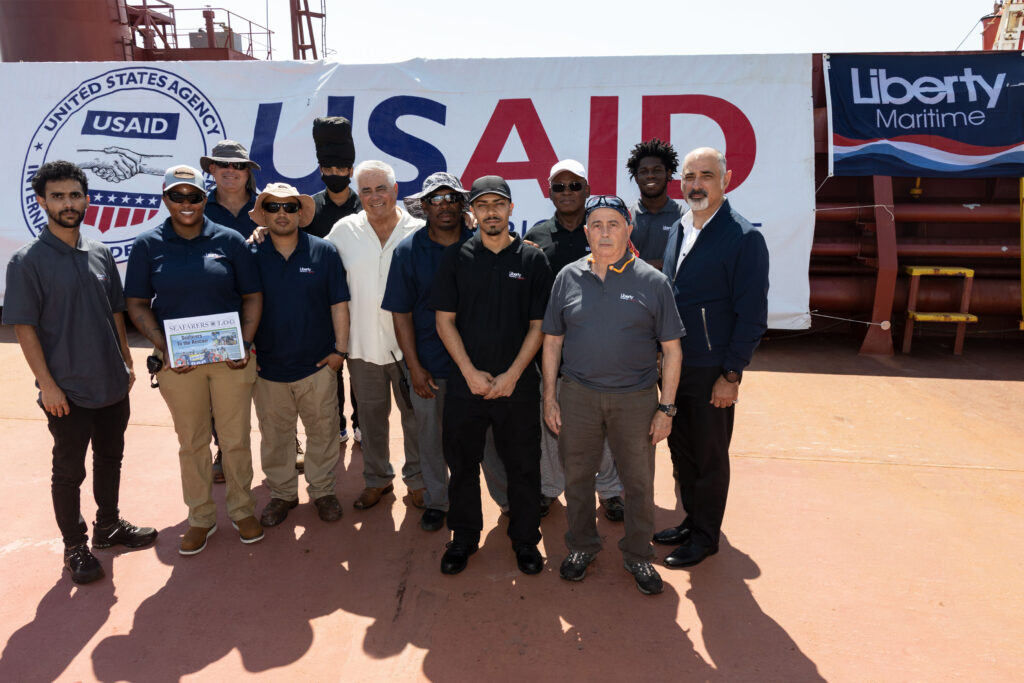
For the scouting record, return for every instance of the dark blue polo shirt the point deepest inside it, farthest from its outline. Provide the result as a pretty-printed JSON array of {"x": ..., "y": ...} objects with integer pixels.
[
  {"x": 413, "y": 267},
  {"x": 296, "y": 331},
  {"x": 201, "y": 276},
  {"x": 218, "y": 214}
]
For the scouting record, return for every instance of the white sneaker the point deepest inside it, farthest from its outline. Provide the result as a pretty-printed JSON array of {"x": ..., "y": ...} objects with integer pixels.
[
  {"x": 343, "y": 436},
  {"x": 357, "y": 435}
]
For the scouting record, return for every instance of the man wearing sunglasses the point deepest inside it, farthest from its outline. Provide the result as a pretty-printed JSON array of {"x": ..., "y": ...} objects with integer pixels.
[
  {"x": 234, "y": 193},
  {"x": 651, "y": 165},
  {"x": 564, "y": 240},
  {"x": 302, "y": 342},
  {"x": 718, "y": 264},
  {"x": 610, "y": 305},
  {"x": 410, "y": 280}
]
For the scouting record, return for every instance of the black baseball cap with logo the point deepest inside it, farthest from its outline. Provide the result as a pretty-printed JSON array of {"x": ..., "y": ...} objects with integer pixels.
[{"x": 489, "y": 184}]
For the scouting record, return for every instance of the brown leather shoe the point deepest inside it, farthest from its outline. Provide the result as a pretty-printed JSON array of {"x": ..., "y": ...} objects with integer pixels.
[
  {"x": 276, "y": 511},
  {"x": 194, "y": 540},
  {"x": 371, "y": 496},
  {"x": 416, "y": 498},
  {"x": 328, "y": 508},
  {"x": 249, "y": 530}
]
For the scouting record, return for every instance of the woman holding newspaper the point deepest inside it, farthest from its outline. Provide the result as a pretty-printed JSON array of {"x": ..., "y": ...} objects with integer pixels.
[{"x": 192, "y": 288}]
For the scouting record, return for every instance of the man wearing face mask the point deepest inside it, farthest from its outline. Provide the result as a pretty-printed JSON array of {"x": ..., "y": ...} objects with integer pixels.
[{"x": 335, "y": 154}]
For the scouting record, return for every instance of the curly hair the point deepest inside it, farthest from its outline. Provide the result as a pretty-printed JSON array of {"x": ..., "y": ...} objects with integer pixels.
[
  {"x": 653, "y": 148},
  {"x": 58, "y": 170}
]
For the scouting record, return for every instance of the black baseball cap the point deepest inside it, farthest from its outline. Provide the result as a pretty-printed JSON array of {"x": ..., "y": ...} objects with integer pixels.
[{"x": 489, "y": 184}]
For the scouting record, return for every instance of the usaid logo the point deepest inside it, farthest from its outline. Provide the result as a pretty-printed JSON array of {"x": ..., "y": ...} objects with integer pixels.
[
  {"x": 124, "y": 128},
  {"x": 881, "y": 88}
]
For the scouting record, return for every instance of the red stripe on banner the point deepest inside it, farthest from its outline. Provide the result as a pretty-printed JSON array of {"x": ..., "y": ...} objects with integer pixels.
[
  {"x": 138, "y": 215},
  {"x": 933, "y": 141},
  {"x": 90, "y": 215},
  {"x": 106, "y": 214},
  {"x": 122, "y": 217}
]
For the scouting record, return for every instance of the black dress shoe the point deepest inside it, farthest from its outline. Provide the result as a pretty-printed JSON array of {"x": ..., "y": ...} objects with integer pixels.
[
  {"x": 674, "y": 535},
  {"x": 545, "y": 505},
  {"x": 432, "y": 519},
  {"x": 689, "y": 554},
  {"x": 529, "y": 559},
  {"x": 456, "y": 557}
]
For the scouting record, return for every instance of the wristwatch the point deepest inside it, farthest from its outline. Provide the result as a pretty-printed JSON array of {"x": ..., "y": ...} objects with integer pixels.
[
  {"x": 732, "y": 376},
  {"x": 668, "y": 408},
  {"x": 343, "y": 354}
]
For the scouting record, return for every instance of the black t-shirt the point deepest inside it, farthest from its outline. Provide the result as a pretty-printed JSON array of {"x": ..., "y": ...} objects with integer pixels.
[
  {"x": 561, "y": 246},
  {"x": 328, "y": 213},
  {"x": 494, "y": 298}
]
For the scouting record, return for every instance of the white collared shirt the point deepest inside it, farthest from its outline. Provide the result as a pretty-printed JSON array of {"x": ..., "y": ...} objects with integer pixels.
[
  {"x": 371, "y": 330},
  {"x": 690, "y": 233}
]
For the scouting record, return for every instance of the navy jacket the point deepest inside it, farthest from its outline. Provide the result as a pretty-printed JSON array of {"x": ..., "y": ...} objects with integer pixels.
[{"x": 721, "y": 290}]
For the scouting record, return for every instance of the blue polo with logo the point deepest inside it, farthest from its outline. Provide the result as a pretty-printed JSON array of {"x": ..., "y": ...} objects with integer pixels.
[
  {"x": 217, "y": 213},
  {"x": 612, "y": 327},
  {"x": 413, "y": 267},
  {"x": 296, "y": 331},
  {"x": 205, "y": 275}
]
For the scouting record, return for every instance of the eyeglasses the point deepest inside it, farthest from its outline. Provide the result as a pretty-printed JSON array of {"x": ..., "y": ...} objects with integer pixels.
[
  {"x": 574, "y": 186},
  {"x": 186, "y": 197},
  {"x": 448, "y": 198},
  {"x": 274, "y": 207},
  {"x": 237, "y": 165}
]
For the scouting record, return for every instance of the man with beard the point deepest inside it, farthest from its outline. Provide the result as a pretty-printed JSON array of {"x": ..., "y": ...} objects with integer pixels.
[
  {"x": 652, "y": 164},
  {"x": 65, "y": 301},
  {"x": 410, "y": 281},
  {"x": 302, "y": 342},
  {"x": 718, "y": 265},
  {"x": 563, "y": 239},
  {"x": 489, "y": 296},
  {"x": 335, "y": 154},
  {"x": 366, "y": 242}
]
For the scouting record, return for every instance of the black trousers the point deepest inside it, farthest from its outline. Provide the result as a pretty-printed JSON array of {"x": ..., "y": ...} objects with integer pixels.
[
  {"x": 104, "y": 427},
  {"x": 699, "y": 444},
  {"x": 516, "y": 426}
]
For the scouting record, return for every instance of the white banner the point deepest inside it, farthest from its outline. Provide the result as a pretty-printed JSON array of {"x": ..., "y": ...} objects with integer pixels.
[{"x": 127, "y": 122}]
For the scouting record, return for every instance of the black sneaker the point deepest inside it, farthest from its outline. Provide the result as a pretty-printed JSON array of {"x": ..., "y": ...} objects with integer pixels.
[
  {"x": 122, "y": 533},
  {"x": 432, "y": 519},
  {"x": 614, "y": 508},
  {"x": 647, "y": 579},
  {"x": 545, "y": 504},
  {"x": 82, "y": 564},
  {"x": 574, "y": 567}
]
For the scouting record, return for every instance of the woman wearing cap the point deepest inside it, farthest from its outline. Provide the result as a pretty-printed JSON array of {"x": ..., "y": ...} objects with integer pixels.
[{"x": 191, "y": 266}]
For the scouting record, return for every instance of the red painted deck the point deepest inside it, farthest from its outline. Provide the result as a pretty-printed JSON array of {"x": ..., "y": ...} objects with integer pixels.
[{"x": 875, "y": 531}]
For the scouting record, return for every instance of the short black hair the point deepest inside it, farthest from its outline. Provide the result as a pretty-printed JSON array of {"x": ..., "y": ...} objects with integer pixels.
[
  {"x": 653, "y": 148},
  {"x": 58, "y": 170}
]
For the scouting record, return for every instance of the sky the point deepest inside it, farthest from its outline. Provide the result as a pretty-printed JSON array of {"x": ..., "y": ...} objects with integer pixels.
[{"x": 399, "y": 30}]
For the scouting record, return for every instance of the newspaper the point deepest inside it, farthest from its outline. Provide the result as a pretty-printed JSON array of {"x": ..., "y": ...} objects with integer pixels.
[{"x": 204, "y": 339}]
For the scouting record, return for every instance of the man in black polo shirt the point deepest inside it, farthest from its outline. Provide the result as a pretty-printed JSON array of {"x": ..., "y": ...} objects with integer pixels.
[
  {"x": 652, "y": 165},
  {"x": 302, "y": 342},
  {"x": 65, "y": 301},
  {"x": 335, "y": 154},
  {"x": 607, "y": 315},
  {"x": 563, "y": 239},
  {"x": 489, "y": 296}
]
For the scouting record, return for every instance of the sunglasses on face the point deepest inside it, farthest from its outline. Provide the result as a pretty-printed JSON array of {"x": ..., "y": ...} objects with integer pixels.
[
  {"x": 185, "y": 197},
  {"x": 574, "y": 186},
  {"x": 274, "y": 207},
  {"x": 448, "y": 198},
  {"x": 237, "y": 165}
]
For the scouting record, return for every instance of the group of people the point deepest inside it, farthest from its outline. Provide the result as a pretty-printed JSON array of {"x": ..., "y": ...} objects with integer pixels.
[{"x": 557, "y": 360}]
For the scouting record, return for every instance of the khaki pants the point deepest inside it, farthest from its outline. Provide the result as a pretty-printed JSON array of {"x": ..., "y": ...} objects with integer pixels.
[
  {"x": 190, "y": 397},
  {"x": 314, "y": 399}
]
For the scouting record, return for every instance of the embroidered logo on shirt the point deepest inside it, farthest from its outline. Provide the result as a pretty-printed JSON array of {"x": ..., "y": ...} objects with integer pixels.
[
  {"x": 627, "y": 297},
  {"x": 101, "y": 277},
  {"x": 515, "y": 276},
  {"x": 214, "y": 254},
  {"x": 304, "y": 269}
]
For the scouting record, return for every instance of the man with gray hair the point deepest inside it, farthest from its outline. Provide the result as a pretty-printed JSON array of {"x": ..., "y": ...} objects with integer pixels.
[{"x": 366, "y": 242}]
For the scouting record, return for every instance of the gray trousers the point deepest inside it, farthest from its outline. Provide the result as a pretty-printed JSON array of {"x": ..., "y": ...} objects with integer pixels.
[
  {"x": 552, "y": 475},
  {"x": 428, "y": 413},
  {"x": 588, "y": 418},
  {"x": 373, "y": 386}
]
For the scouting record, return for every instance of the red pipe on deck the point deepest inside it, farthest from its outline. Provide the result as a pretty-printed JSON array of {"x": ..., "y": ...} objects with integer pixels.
[{"x": 856, "y": 295}]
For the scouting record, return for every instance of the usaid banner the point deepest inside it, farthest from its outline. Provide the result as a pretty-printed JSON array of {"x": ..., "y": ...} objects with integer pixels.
[
  {"x": 926, "y": 115},
  {"x": 125, "y": 123}
]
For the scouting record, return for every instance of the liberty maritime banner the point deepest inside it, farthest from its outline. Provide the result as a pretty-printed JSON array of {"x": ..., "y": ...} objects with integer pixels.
[
  {"x": 954, "y": 115},
  {"x": 125, "y": 123}
]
